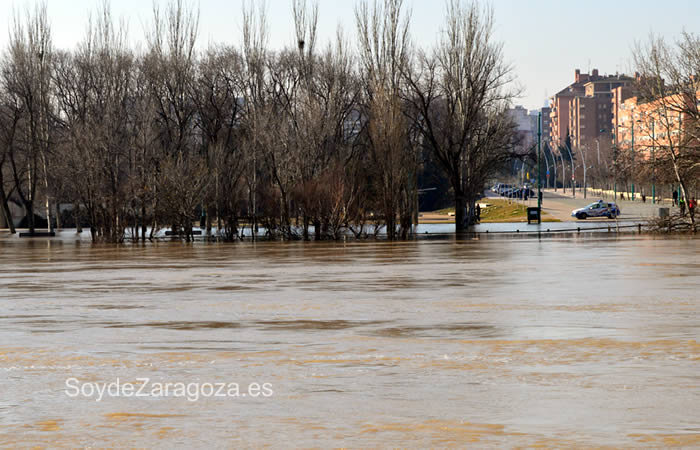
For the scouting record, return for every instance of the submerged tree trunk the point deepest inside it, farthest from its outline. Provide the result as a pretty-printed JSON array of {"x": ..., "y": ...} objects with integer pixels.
[
  {"x": 317, "y": 229},
  {"x": 686, "y": 197},
  {"x": 76, "y": 218},
  {"x": 6, "y": 209},
  {"x": 58, "y": 215},
  {"x": 460, "y": 213},
  {"x": 29, "y": 206},
  {"x": 143, "y": 223}
]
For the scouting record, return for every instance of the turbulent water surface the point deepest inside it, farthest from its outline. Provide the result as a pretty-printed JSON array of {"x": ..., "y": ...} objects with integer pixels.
[{"x": 560, "y": 341}]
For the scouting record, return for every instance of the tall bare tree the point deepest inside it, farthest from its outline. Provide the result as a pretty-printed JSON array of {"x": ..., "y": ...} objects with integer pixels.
[
  {"x": 459, "y": 93},
  {"x": 95, "y": 91},
  {"x": 669, "y": 87},
  {"x": 218, "y": 95},
  {"x": 331, "y": 128},
  {"x": 27, "y": 80},
  {"x": 384, "y": 54},
  {"x": 10, "y": 114},
  {"x": 170, "y": 65},
  {"x": 254, "y": 84}
]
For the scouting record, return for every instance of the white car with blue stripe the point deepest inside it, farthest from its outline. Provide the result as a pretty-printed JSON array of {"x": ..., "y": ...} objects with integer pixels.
[{"x": 597, "y": 209}]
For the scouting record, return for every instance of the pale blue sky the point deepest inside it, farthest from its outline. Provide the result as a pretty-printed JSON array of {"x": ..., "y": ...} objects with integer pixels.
[{"x": 545, "y": 40}]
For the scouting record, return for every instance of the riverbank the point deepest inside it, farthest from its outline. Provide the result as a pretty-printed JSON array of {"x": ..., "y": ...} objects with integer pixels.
[
  {"x": 559, "y": 205},
  {"x": 493, "y": 210}
]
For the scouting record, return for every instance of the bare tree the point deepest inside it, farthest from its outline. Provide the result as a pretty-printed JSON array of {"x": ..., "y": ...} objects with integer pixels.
[
  {"x": 27, "y": 80},
  {"x": 218, "y": 97},
  {"x": 94, "y": 88},
  {"x": 254, "y": 85},
  {"x": 384, "y": 53},
  {"x": 331, "y": 128},
  {"x": 170, "y": 66},
  {"x": 10, "y": 115},
  {"x": 669, "y": 94},
  {"x": 459, "y": 94}
]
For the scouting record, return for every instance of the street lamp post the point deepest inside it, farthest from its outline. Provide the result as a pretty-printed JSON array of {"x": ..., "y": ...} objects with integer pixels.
[
  {"x": 615, "y": 163},
  {"x": 539, "y": 149},
  {"x": 598, "y": 177},
  {"x": 632, "y": 165},
  {"x": 583, "y": 159},
  {"x": 563, "y": 171},
  {"x": 653, "y": 163},
  {"x": 554, "y": 167},
  {"x": 546, "y": 161},
  {"x": 573, "y": 178}
]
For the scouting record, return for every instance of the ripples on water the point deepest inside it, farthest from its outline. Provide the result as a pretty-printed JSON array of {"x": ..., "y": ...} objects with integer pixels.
[{"x": 555, "y": 342}]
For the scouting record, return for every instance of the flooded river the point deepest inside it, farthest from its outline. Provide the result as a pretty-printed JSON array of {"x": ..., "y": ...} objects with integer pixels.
[{"x": 560, "y": 341}]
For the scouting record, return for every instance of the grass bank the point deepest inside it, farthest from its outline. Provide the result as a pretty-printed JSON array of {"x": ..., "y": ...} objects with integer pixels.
[{"x": 498, "y": 211}]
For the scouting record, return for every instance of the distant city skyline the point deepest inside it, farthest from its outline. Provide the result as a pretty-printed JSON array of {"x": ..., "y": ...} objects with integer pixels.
[{"x": 544, "y": 40}]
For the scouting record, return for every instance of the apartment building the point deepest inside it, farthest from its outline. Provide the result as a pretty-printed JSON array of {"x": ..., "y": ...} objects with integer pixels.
[
  {"x": 559, "y": 108},
  {"x": 617, "y": 105},
  {"x": 546, "y": 126},
  {"x": 584, "y": 109},
  {"x": 526, "y": 128},
  {"x": 654, "y": 126}
]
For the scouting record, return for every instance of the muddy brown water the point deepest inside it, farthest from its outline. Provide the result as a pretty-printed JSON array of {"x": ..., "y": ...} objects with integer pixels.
[{"x": 563, "y": 341}]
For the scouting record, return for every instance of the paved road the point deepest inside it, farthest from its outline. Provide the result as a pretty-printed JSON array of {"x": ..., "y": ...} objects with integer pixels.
[{"x": 559, "y": 205}]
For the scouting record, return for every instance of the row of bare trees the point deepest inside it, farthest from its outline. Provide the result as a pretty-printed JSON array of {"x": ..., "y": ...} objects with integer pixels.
[
  {"x": 308, "y": 140},
  {"x": 669, "y": 91}
]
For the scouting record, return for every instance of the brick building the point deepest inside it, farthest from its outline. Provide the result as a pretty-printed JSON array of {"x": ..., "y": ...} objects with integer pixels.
[
  {"x": 583, "y": 110},
  {"x": 559, "y": 114},
  {"x": 654, "y": 125}
]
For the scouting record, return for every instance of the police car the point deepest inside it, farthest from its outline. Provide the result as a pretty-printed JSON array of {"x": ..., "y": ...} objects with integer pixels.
[{"x": 597, "y": 209}]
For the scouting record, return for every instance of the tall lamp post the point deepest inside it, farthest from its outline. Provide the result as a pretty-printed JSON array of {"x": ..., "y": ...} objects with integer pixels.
[
  {"x": 573, "y": 178},
  {"x": 632, "y": 171},
  {"x": 653, "y": 156},
  {"x": 546, "y": 161},
  {"x": 583, "y": 159},
  {"x": 615, "y": 164},
  {"x": 539, "y": 149},
  {"x": 563, "y": 171},
  {"x": 597, "y": 146},
  {"x": 653, "y": 163}
]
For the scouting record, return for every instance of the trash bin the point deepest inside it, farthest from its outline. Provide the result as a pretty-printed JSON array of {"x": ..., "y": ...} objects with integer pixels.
[
  {"x": 663, "y": 212},
  {"x": 533, "y": 215}
]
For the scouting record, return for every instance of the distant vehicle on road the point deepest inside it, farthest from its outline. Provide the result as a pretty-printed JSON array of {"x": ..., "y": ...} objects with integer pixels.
[
  {"x": 505, "y": 191},
  {"x": 500, "y": 188},
  {"x": 522, "y": 192},
  {"x": 597, "y": 209}
]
